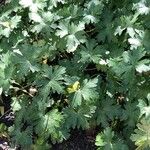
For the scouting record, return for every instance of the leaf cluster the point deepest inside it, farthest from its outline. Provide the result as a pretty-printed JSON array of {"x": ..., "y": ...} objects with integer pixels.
[{"x": 76, "y": 64}]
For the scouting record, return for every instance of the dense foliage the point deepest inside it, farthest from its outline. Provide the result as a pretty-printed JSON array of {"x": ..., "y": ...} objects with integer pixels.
[{"x": 69, "y": 64}]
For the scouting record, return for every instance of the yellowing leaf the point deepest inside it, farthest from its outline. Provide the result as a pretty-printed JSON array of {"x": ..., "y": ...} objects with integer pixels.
[
  {"x": 5, "y": 24},
  {"x": 45, "y": 61},
  {"x": 2, "y": 110},
  {"x": 74, "y": 87}
]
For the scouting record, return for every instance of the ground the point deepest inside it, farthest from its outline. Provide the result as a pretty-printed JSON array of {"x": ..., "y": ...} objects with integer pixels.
[{"x": 79, "y": 140}]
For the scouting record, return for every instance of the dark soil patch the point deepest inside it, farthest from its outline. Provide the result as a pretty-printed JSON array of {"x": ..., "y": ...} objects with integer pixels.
[
  {"x": 79, "y": 140},
  {"x": 8, "y": 117}
]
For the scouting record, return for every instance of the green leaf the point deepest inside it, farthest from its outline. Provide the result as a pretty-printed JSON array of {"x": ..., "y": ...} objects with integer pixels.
[
  {"x": 51, "y": 79},
  {"x": 145, "y": 106},
  {"x": 141, "y": 8},
  {"x": 107, "y": 141},
  {"x": 78, "y": 118},
  {"x": 54, "y": 2},
  {"x": 107, "y": 111},
  {"x": 104, "y": 138},
  {"x": 131, "y": 114},
  {"x": 72, "y": 34},
  {"x": 86, "y": 93},
  {"x": 49, "y": 125},
  {"x": 25, "y": 136},
  {"x": 143, "y": 68},
  {"x": 15, "y": 104},
  {"x": 63, "y": 29},
  {"x": 35, "y": 17},
  {"x": 141, "y": 137},
  {"x": 90, "y": 53}
]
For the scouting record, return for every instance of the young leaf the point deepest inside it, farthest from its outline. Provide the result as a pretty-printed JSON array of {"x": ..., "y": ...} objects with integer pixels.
[{"x": 141, "y": 137}]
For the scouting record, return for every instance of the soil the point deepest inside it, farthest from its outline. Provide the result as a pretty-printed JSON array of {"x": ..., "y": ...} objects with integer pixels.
[{"x": 79, "y": 140}]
